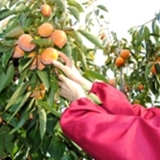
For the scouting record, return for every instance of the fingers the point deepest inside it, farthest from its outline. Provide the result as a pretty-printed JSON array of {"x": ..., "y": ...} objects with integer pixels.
[
  {"x": 62, "y": 78},
  {"x": 64, "y": 57},
  {"x": 59, "y": 65}
]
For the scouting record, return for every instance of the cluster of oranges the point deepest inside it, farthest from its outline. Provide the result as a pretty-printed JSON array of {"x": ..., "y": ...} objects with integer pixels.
[
  {"x": 41, "y": 57},
  {"x": 46, "y": 30},
  {"x": 120, "y": 60}
]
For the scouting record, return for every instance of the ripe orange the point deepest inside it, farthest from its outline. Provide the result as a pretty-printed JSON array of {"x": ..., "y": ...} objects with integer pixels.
[
  {"x": 24, "y": 42},
  {"x": 140, "y": 87},
  {"x": 153, "y": 69},
  {"x": 59, "y": 38},
  {"x": 127, "y": 87},
  {"x": 125, "y": 53},
  {"x": 45, "y": 29},
  {"x": 18, "y": 53},
  {"x": 48, "y": 55},
  {"x": 46, "y": 10},
  {"x": 119, "y": 61}
]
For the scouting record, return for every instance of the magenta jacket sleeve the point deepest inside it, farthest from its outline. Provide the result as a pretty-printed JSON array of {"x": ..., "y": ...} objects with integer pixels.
[{"x": 115, "y": 130}]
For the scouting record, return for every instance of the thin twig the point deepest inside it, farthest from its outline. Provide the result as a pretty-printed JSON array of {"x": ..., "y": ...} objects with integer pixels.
[{"x": 146, "y": 22}]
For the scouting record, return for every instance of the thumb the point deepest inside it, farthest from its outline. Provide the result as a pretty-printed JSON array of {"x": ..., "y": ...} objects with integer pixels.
[
  {"x": 58, "y": 64},
  {"x": 65, "y": 69}
]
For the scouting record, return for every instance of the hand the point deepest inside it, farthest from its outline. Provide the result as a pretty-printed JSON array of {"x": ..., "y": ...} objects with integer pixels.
[
  {"x": 69, "y": 89},
  {"x": 71, "y": 72},
  {"x": 69, "y": 68}
]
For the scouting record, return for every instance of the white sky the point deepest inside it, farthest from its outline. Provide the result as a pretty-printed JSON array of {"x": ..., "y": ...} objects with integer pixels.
[{"x": 124, "y": 14}]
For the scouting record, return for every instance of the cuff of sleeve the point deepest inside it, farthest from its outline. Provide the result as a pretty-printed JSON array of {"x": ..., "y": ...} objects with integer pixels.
[{"x": 113, "y": 100}]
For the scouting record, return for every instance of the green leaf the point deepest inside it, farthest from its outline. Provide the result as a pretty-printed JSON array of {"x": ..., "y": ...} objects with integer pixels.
[
  {"x": 75, "y": 4},
  {"x": 146, "y": 32},
  {"x": 94, "y": 98},
  {"x": 44, "y": 78},
  {"x": 102, "y": 7},
  {"x": 74, "y": 34},
  {"x": 6, "y": 13},
  {"x": 24, "y": 63},
  {"x": 46, "y": 144},
  {"x": 12, "y": 23},
  {"x": 12, "y": 2},
  {"x": 3, "y": 131},
  {"x": 15, "y": 32},
  {"x": 95, "y": 75},
  {"x": 74, "y": 11},
  {"x": 9, "y": 142},
  {"x": 13, "y": 122},
  {"x": 6, "y": 78},
  {"x": 52, "y": 91},
  {"x": 57, "y": 148},
  {"x": 6, "y": 56},
  {"x": 21, "y": 89},
  {"x": 43, "y": 42},
  {"x": 42, "y": 121},
  {"x": 83, "y": 59},
  {"x": 91, "y": 38},
  {"x": 49, "y": 108},
  {"x": 147, "y": 70},
  {"x": 60, "y": 4},
  {"x": 51, "y": 123},
  {"x": 34, "y": 139},
  {"x": 22, "y": 100},
  {"x": 20, "y": 123},
  {"x": 67, "y": 49}
]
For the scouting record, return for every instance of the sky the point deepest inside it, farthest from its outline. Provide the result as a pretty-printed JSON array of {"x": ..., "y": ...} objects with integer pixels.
[{"x": 124, "y": 14}]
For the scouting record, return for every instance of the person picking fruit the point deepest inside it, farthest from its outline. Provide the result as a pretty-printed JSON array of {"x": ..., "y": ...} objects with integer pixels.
[{"x": 112, "y": 130}]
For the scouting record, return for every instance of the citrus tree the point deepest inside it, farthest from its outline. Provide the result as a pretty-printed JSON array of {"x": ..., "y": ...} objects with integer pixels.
[{"x": 32, "y": 35}]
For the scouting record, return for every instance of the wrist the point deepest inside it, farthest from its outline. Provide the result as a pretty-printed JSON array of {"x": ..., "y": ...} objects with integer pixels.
[{"x": 86, "y": 84}]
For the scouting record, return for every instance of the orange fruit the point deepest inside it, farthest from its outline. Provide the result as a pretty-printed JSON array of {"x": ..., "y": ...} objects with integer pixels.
[
  {"x": 103, "y": 36},
  {"x": 125, "y": 53},
  {"x": 119, "y": 62},
  {"x": 48, "y": 55},
  {"x": 46, "y": 10},
  {"x": 140, "y": 87},
  {"x": 24, "y": 42},
  {"x": 45, "y": 29},
  {"x": 153, "y": 69},
  {"x": 127, "y": 88},
  {"x": 18, "y": 53},
  {"x": 59, "y": 38}
]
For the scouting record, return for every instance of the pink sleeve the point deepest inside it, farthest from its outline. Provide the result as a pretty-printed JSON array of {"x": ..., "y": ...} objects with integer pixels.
[
  {"x": 106, "y": 135},
  {"x": 112, "y": 99}
]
